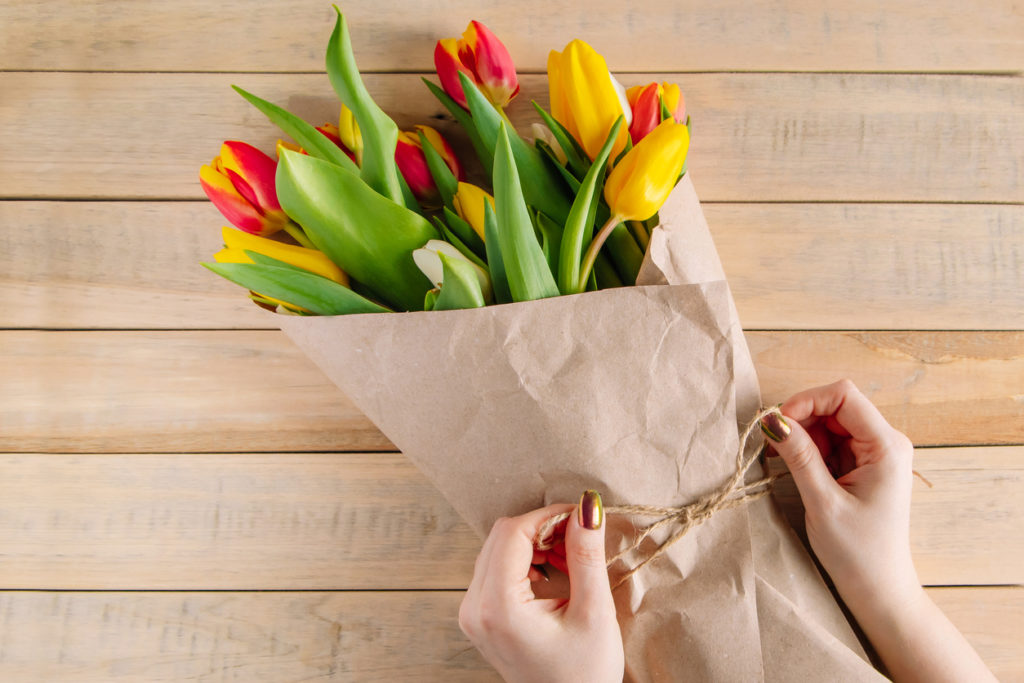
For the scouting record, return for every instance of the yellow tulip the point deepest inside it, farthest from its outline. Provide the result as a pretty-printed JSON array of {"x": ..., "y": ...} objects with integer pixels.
[
  {"x": 469, "y": 204},
  {"x": 640, "y": 183},
  {"x": 236, "y": 243},
  {"x": 586, "y": 98}
]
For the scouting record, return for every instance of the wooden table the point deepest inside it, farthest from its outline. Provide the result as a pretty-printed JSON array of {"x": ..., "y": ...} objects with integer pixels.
[{"x": 183, "y": 496}]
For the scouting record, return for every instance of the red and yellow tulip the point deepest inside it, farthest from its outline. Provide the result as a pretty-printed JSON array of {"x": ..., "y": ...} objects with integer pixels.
[
  {"x": 240, "y": 183},
  {"x": 236, "y": 243},
  {"x": 586, "y": 98},
  {"x": 645, "y": 102},
  {"x": 413, "y": 164},
  {"x": 481, "y": 56}
]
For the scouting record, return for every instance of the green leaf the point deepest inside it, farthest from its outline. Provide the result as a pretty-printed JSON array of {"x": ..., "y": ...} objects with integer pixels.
[
  {"x": 370, "y": 237},
  {"x": 574, "y": 153},
  {"x": 625, "y": 253},
  {"x": 430, "y": 300},
  {"x": 580, "y": 225},
  {"x": 297, "y": 287},
  {"x": 499, "y": 281},
  {"x": 379, "y": 132},
  {"x": 540, "y": 185},
  {"x": 454, "y": 240},
  {"x": 447, "y": 183},
  {"x": 553, "y": 162},
  {"x": 485, "y": 155},
  {"x": 465, "y": 232},
  {"x": 526, "y": 269},
  {"x": 313, "y": 141},
  {"x": 551, "y": 240},
  {"x": 461, "y": 286}
]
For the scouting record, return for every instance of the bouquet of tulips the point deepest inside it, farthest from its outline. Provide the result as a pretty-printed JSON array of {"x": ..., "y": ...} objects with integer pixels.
[
  {"x": 579, "y": 379},
  {"x": 381, "y": 219}
]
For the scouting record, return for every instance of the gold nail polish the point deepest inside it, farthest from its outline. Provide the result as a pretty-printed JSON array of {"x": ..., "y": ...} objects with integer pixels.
[
  {"x": 591, "y": 510},
  {"x": 775, "y": 427}
]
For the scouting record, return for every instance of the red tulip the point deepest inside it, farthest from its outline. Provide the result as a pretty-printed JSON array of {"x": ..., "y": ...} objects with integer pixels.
[
  {"x": 645, "y": 101},
  {"x": 481, "y": 56},
  {"x": 413, "y": 164},
  {"x": 240, "y": 183}
]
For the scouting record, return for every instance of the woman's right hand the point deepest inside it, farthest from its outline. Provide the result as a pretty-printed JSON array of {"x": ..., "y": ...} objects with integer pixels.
[
  {"x": 853, "y": 471},
  {"x": 854, "y": 474}
]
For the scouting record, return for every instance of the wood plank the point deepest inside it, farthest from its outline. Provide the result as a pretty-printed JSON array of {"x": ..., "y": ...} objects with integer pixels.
[
  {"x": 325, "y": 636},
  {"x": 245, "y": 35},
  {"x": 372, "y": 521},
  {"x": 138, "y": 392},
  {"x": 790, "y": 266},
  {"x": 758, "y": 137}
]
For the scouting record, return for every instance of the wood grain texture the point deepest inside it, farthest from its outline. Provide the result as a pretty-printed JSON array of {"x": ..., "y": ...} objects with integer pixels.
[
  {"x": 372, "y": 521},
  {"x": 764, "y": 137},
  {"x": 283, "y": 637},
  {"x": 137, "y": 392},
  {"x": 847, "y": 266},
  {"x": 247, "y": 35}
]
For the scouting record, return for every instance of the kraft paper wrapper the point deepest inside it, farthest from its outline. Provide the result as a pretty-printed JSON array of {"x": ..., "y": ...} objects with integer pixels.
[{"x": 636, "y": 392}]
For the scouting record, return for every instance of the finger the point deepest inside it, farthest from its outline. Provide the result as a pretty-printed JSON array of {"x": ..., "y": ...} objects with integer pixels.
[
  {"x": 802, "y": 457},
  {"x": 511, "y": 555},
  {"x": 589, "y": 590},
  {"x": 844, "y": 401}
]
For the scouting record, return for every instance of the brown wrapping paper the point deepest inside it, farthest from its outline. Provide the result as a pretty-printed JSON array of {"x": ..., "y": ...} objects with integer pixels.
[{"x": 636, "y": 392}]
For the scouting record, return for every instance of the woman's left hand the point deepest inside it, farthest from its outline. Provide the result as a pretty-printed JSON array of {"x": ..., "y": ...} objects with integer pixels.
[{"x": 527, "y": 638}]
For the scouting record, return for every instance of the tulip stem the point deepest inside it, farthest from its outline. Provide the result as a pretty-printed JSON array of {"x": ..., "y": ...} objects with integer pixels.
[
  {"x": 504, "y": 116},
  {"x": 296, "y": 232},
  {"x": 594, "y": 249}
]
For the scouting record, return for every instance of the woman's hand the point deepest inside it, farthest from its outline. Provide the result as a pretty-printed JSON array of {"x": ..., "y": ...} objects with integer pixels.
[
  {"x": 853, "y": 471},
  {"x": 531, "y": 639}
]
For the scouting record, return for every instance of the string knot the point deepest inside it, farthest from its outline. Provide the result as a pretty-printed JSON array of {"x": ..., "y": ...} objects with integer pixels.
[{"x": 681, "y": 519}]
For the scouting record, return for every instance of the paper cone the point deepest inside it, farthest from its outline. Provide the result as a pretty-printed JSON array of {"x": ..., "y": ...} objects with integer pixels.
[{"x": 636, "y": 392}]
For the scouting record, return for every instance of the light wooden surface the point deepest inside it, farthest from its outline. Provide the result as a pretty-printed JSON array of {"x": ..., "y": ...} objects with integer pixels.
[{"x": 183, "y": 496}]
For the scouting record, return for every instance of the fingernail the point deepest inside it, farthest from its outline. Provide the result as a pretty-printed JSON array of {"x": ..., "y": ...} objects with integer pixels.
[
  {"x": 775, "y": 427},
  {"x": 591, "y": 511}
]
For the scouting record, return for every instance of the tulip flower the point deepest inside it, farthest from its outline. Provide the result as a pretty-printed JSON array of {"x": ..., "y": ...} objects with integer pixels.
[
  {"x": 469, "y": 204},
  {"x": 413, "y": 164},
  {"x": 428, "y": 260},
  {"x": 646, "y": 101},
  {"x": 236, "y": 243},
  {"x": 481, "y": 56},
  {"x": 641, "y": 182},
  {"x": 348, "y": 132},
  {"x": 240, "y": 183},
  {"x": 586, "y": 98}
]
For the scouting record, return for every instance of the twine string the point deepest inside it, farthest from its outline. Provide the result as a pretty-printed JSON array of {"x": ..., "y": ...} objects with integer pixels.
[{"x": 733, "y": 493}]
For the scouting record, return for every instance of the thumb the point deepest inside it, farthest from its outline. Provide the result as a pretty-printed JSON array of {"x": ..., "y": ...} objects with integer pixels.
[
  {"x": 589, "y": 590},
  {"x": 796, "y": 447}
]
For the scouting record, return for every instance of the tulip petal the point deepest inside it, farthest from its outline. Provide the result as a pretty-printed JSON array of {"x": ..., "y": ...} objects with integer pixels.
[
  {"x": 592, "y": 96},
  {"x": 557, "y": 86},
  {"x": 256, "y": 168},
  {"x": 413, "y": 167},
  {"x": 492, "y": 64},
  {"x": 674, "y": 101},
  {"x": 448, "y": 66},
  {"x": 307, "y": 259},
  {"x": 646, "y": 112},
  {"x": 232, "y": 205},
  {"x": 640, "y": 183}
]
